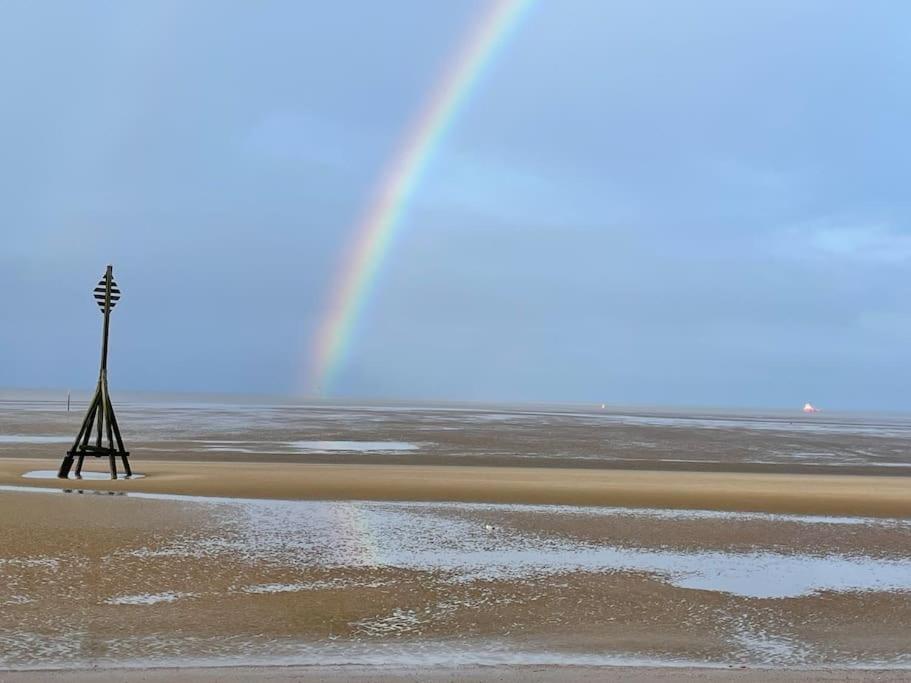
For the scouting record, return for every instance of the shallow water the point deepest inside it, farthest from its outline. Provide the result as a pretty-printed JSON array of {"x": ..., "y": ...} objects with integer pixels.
[
  {"x": 443, "y": 538},
  {"x": 34, "y": 439},
  {"x": 245, "y": 428},
  {"x": 424, "y": 537},
  {"x": 440, "y": 583},
  {"x": 90, "y": 476},
  {"x": 352, "y": 446}
]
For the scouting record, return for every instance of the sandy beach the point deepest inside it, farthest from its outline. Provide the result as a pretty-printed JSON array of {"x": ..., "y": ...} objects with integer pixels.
[
  {"x": 432, "y": 341},
  {"x": 250, "y": 547},
  {"x": 792, "y": 493},
  {"x": 100, "y": 578}
]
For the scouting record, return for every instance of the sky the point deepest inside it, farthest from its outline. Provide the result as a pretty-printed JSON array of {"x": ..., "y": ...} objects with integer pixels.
[{"x": 662, "y": 203}]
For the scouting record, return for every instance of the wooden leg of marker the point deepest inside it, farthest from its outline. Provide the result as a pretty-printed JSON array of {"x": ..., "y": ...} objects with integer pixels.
[
  {"x": 84, "y": 430},
  {"x": 64, "y": 471},
  {"x": 109, "y": 410},
  {"x": 124, "y": 456},
  {"x": 113, "y": 419},
  {"x": 91, "y": 422}
]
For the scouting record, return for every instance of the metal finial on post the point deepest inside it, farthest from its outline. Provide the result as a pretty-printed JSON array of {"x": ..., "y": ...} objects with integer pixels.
[{"x": 101, "y": 412}]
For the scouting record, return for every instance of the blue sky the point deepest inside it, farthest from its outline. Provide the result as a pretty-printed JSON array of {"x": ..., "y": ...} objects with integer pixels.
[{"x": 661, "y": 203}]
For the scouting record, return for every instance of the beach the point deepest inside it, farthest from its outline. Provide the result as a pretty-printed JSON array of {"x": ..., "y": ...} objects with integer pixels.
[
  {"x": 789, "y": 493},
  {"x": 332, "y": 557}
]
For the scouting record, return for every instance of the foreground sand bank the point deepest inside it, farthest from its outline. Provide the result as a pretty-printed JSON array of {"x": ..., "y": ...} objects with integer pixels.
[
  {"x": 784, "y": 493},
  {"x": 400, "y": 591}
]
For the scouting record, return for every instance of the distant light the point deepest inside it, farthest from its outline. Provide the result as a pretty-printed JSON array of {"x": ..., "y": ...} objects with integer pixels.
[{"x": 810, "y": 408}]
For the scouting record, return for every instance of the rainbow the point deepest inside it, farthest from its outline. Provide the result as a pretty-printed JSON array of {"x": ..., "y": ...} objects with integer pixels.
[
  {"x": 375, "y": 230},
  {"x": 356, "y": 534}
]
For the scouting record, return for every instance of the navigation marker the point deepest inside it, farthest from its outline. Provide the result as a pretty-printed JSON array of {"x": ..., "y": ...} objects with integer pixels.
[{"x": 101, "y": 413}]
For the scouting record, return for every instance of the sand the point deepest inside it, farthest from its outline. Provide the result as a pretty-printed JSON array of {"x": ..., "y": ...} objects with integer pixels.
[
  {"x": 93, "y": 579},
  {"x": 463, "y": 674},
  {"x": 792, "y": 493},
  {"x": 515, "y": 436},
  {"x": 110, "y": 581}
]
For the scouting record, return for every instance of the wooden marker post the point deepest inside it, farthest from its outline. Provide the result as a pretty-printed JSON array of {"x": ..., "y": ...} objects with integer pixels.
[{"x": 101, "y": 413}]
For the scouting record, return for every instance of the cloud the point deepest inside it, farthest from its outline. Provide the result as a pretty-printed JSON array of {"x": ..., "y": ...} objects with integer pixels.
[
  {"x": 841, "y": 240},
  {"x": 691, "y": 202},
  {"x": 510, "y": 190}
]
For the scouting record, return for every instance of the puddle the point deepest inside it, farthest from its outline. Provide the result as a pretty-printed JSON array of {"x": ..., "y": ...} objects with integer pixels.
[
  {"x": 419, "y": 537},
  {"x": 307, "y": 446},
  {"x": 34, "y": 438},
  {"x": 332, "y": 584},
  {"x": 352, "y": 446},
  {"x": 91, "y": 476},
  {"x": 147, "y": 599},
  {"x": 439, "y": 538},
  {"x": 229, "y": 449}
]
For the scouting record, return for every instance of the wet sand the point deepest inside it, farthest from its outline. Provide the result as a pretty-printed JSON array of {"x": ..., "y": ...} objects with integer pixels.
[
  {"x": 93, "y": 579},
  {"x": 806, "y": 494},
  {"x": 488, "y": 436},
  {"x": 462, "y": 674},
  {"x": 550, "y": 545}
]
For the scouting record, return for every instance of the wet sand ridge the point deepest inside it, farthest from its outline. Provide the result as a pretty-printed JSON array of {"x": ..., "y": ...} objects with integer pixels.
[{"x": 792, "y": 493}]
